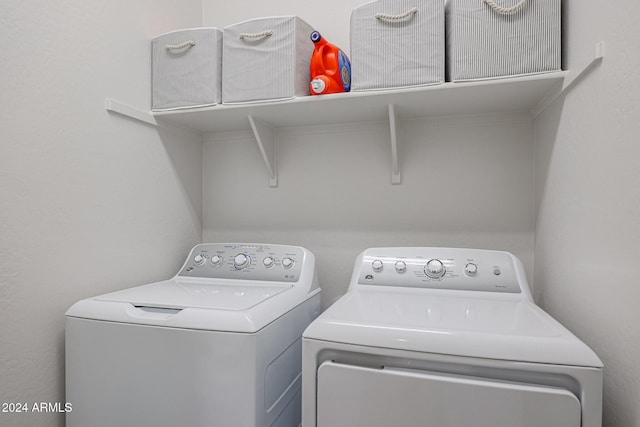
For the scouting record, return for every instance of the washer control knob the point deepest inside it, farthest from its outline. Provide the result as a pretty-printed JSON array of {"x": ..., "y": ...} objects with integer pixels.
[
  {"x": 268, "y": 262},
  {"x": 199, "y": 259},
  {"x": 287, "y": 263},
  {"x": 401, "y": 266},
  {"x": 241, "y": 261},
  {"x": 434, "y": 269},
  {"x": 377, "y": 265},
  {"x": 471, "y": 269},
  {"x": 216, "y": 260}
]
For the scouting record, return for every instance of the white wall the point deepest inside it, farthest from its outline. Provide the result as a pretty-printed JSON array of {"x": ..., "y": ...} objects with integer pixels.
[
  {"x": 466, "y": 182},
  {"x": 90, "y": 202},
  {"x": 588, "y": 200}
]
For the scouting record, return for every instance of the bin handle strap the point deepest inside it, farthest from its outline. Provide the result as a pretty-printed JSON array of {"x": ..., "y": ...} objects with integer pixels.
[
  {"x": 409, "y": 12},
  {"x": 188, "y": 43},
  {"x": 505, "y": 10},
  {"x": 256, "y": 35}
]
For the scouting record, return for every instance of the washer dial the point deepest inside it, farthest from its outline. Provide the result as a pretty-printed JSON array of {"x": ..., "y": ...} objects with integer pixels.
[
  {"x": 241, "y": 261},
  {"x": 377, "y": 265},
  {"x": 199, "y": 259},
  {"x": 400, "y": 266}
]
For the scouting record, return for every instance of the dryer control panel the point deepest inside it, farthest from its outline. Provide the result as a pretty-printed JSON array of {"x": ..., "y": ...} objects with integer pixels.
[
  {"x": 441, "y": 268},
  {"x": 279, "y": 263}
]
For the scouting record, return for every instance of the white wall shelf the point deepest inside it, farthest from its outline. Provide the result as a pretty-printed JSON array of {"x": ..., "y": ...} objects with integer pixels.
[
  {"x": 509, "y": 94},
  {"x": 532, "y": 93}
]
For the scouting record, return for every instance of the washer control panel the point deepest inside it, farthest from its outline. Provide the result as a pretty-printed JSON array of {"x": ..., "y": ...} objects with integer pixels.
[
  {"x": 440, "y": 268},
  {"x": 279, "y": 263}
]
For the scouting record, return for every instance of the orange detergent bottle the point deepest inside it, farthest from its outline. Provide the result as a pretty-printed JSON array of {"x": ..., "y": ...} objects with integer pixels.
[{"x": 330, "y": 68}]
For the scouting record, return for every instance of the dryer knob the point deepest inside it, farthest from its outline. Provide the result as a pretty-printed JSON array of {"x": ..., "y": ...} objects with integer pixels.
[
  {"x": 471, "y": 269},
  {"x": 241, "y": 261},
  {"x": 434, "y": 269},
  {"x": 401, "y": 266}
]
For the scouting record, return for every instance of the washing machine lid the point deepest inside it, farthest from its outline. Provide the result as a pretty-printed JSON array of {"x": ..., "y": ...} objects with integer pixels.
[
  {"x": 185, "y": 294},
  {"x": 461, "y": 324},
  {"x": 221, "y": 305}
]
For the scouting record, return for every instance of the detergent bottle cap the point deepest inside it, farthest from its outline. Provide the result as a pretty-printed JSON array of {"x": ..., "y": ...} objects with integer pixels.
[{"x": 318, "y": 85}]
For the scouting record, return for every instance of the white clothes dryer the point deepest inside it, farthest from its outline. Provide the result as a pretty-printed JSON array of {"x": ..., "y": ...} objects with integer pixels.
[
  {"x": 219, "y": 344},
  {"x": 444, "y": 337}
]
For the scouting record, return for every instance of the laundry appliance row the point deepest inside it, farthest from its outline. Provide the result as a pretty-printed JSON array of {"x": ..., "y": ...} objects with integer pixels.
[{"x": 438, "y": 337}]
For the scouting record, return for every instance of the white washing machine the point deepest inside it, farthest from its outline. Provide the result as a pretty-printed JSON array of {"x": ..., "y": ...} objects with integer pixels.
[
  {"x": 442, "y": 337},
  {"x": 218, "y": 345}
]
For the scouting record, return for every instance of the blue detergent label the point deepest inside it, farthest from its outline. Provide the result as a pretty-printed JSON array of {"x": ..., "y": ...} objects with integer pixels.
[{"x": 345, "y": 71}]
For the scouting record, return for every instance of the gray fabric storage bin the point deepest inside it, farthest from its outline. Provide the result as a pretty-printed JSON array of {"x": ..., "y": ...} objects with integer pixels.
[
  {"x": 266, "y": 59},
  {"x": 484, "y": 43},
  {"x": 186, "y": 68},
  {"x": 397, "y": 43}
]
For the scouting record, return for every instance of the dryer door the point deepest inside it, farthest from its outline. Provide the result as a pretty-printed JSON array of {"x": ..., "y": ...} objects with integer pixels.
[{"x": 350, "y": 396}]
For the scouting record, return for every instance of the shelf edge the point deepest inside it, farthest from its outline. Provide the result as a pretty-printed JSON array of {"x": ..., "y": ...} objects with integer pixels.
[{"x": 129, "y": 111}]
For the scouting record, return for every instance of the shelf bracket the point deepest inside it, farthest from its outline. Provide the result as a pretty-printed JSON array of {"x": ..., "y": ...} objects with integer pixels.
[
  {"x": 265, "y": 137},
  {"x": 569, "y": 81},
  {"x": 396, "y": 178},
  {"x": 128, "y": 111}
]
